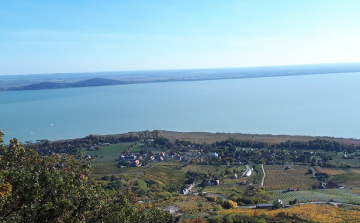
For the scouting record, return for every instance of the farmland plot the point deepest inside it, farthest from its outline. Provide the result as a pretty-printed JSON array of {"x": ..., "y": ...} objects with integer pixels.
[
  {"x": 337, "y": 195},
  {"x": 277, "y": 177},
  {"x": 330, "y": 171},
  {"x": 164, "y": 175},
  {"x": 315, "y": 212}
]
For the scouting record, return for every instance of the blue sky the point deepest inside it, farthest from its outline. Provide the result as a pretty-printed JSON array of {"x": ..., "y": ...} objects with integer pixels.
[{"x": 62, "y": 36}]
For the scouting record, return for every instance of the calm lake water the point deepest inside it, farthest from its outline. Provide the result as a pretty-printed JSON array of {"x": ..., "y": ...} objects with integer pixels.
[{"x": 315, "y": 105}]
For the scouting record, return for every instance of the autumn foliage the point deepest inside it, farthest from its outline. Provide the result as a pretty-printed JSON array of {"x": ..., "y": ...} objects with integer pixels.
[{"x": 35, "y": 188}]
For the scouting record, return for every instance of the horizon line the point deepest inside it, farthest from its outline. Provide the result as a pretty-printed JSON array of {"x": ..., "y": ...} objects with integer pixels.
[{"x": 178, "y": 69}]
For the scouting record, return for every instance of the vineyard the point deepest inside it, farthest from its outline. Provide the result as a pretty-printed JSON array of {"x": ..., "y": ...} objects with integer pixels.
[
  {"x": 336, "y": 195},
  {"x": 277, "y": 177},
  {"x": 330, "y": 171},
  {"x": 337, "y": 171},
  {"x": 211, "y": 169},
  {"x": 226, "y": 188},
  {"x": 315, "y": 212},
  {"x": 163, "y": 175}
]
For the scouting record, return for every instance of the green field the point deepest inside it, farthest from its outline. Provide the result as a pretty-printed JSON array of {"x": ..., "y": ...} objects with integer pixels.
[
  {"x": 277, "y": 177},
  {"x": 336, "y": 195},
  {"x": 165, "y": 175},
  {"x": 338, "y": 160},
  {"x": 109, "y": 153},
  {"x": 207, "y": 137},
  {"x": 110, "y": 168},
  {"x": 348, "y": 180}
]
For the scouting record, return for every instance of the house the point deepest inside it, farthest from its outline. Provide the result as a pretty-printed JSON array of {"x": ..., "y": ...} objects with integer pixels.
[
  {"x": 92, "y": 148},
  {"x": 247, "y": 172},
  {"x": 331, "y": 184},
  {"x": 319, "y": 175},
  {"x": 137, "y": 163},
  {"x": 128, "y": 157},
  {"x": 235, "y": 176},
  {"x": 184, "y": 191},
  {"x": 213, "y": 182},
  {"x": 214, "y": 154},
  {"x": 270, "y": 205},
  {"x": 264, "y": 206},
  {"x": 292, "y": 189}
]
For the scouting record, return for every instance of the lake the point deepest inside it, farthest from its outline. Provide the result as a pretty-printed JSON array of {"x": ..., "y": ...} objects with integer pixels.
[{"x": 314, "y": 105}]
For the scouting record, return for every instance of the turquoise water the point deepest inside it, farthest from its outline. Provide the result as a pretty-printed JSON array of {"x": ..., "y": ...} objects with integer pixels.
[{"x": 316, "y": 105}]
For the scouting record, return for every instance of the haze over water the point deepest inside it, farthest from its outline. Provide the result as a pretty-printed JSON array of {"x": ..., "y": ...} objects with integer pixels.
[{"x": 314, "y": 105}]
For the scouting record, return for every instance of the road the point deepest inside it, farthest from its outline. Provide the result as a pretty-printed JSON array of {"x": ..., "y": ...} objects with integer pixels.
[{"x": 262, "y": 180}]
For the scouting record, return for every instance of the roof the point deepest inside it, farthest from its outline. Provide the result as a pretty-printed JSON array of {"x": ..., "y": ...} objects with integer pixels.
[{"x": 264, "y": 205}]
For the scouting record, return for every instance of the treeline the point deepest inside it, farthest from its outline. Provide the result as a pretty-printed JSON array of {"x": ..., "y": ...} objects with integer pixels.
[
  {"x": 73, "y": 146},
  {"x": 154, "y": 139},
  {"x": 316, "y": 144},
  {"x": 35, "y": 188}
]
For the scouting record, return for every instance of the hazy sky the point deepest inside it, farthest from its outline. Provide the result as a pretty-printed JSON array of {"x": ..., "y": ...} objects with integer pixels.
[{"x": 97, "y": 35}]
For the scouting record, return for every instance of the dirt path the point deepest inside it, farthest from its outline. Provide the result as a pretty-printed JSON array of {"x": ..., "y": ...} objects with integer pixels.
[{"x": 262, "y": 181}]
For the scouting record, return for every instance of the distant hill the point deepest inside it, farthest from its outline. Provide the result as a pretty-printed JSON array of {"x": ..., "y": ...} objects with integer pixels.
[
  {"x": 43, "y": 85},
  {"x": 56, "y": 85},
  {"x": 96, "y": 82},
  {"x": 69, "y": 80}
]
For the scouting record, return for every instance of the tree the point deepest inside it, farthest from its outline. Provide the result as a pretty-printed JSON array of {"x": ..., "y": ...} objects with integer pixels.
[
  {"x": 276, "y": 205},
  {"x": 35, "y": 188}
]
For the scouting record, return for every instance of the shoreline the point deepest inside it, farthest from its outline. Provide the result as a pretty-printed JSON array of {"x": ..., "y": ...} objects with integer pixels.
[
  {"x": 63, "y": 81},
  {"x": 209, "y": 137}
]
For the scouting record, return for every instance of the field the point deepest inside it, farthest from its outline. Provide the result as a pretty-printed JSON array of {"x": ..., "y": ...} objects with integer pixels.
[
  {"x": 227, "y": 188},
  {"x": 109, "y": 153},
  {"x": 315, "y": 212},
  {"x": 346, "y": 177},
  {"x": 337, "y": 195},
  {"x": 330, "y": 171},
  {"x": 211, "y": 169},
  {"x": 337, "y": 159},
  {"x": 347, "y": 180},
  {"x": 101, "y": 169},
  {"x": 188, "y": 205},
  {"x": 200, "y": 137},
  {"x": 277, "y": 177},
  {"x": 337, "y": 171},
  {"x": 164, "y": 175}
]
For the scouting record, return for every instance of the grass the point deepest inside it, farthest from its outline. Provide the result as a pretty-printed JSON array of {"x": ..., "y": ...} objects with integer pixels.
[
  {"x": 201, "y": 137},
  {"x": 338, "y": 160},
  {"x": 331, "y": 171},
  {"x": 165, "y": 175},
  {"x": 258, "y": 174},
  {"x": 227, "y": 184},
  {"x": 336, "y": 195},
  {"x": 277, "y": 177},
  {"x": 348, "y": 180},
  {"x": 212, "y": 169},
  {"x": 101, "y": 169},
  {"x": 226, "y": 188},
  {"x": 349, "y": 177},
  {"x": 109, "y": 153},
  {"x": 188, "y": 204}
]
